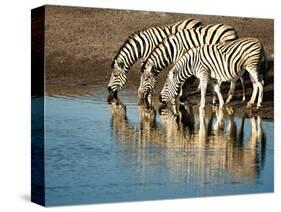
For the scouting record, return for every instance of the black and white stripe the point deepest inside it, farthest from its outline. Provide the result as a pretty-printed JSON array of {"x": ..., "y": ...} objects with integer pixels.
[
  {"x": 172, "y": 48},
  {"x": 138, "y": 46},
  {"x": 224, "y": 62}
]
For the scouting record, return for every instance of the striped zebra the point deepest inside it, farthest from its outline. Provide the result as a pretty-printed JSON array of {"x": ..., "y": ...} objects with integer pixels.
[
  {"x": 138, "y": 46},
  {"x": 172, "y": 48},
  {"x": 220, "y": 63}
]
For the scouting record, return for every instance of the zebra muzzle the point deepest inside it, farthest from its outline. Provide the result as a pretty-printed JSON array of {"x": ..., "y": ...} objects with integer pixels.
[
  {"x": 109, "y": 89},
  {"x": 112, "y": 95}
]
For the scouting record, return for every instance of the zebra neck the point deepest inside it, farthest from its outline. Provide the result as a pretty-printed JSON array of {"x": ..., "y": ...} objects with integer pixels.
[
  {"x": 183, "y": 69},
  {"x": 129, "y": 53},
  {"x": 171, "y": 51},
  {"x": 121, "y": 59}
]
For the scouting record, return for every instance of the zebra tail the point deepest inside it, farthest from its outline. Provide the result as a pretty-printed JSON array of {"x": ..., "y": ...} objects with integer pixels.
[{"x": 264, "y": 66}]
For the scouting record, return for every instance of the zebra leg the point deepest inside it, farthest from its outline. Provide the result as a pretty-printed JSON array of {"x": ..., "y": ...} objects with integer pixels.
[
  {"x": 243, "y": 89},
  {"x": 217, "y": 90},
  {"x": 174, "y": 106},
  {"x": 214, "y": 93},
  {"x": 214, "y": 99},
  {"x": 257, "y": 80},
  {"x": 231, "y": 91},
  {"x": 257, "y": 85},
  {"x": 185, "y": 89},
  {"x": 254, "y": 94},
  {"x": 199, "y": 87},
  {"x": 260, "y": 97},
  {"x": 203, "y": 86}
]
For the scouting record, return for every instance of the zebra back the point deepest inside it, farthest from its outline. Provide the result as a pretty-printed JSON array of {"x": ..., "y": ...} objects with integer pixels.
[
  {"x": 184, "y": 24},
  {"x": 239, "y": 55},
  {"x": 223, "y": 62},
  {"x": 140, "y": 44},
  {"x": 173, "y": 47}
]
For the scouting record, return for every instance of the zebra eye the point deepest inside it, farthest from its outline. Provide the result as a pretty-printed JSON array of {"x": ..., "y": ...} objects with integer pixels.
[{"x": 115, "y": 75}]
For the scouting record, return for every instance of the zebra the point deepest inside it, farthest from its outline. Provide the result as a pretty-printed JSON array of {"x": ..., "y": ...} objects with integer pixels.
[
  {"x": 172, "y": 48},
  {"x": 219, "y": 62},
  {"x": 138, "y": 46}
]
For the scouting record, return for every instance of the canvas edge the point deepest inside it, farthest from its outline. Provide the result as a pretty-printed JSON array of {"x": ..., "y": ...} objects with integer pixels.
[{"x": 37, "y": 105}]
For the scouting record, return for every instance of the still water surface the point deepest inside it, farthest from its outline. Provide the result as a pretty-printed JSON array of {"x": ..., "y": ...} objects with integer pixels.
[{"x": 96, "y": 152}]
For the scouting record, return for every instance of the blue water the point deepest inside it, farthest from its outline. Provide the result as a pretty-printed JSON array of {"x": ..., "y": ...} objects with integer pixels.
[{"x": 96, "y": 152}]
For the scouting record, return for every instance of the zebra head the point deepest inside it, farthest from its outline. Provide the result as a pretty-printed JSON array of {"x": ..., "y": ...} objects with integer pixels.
[
  {"x": 170, "y": 89},
  {"x": 147, "y": 83},
  {"x": 118, "y": 77}
]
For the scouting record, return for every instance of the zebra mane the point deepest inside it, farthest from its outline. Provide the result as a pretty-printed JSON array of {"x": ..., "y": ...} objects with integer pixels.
[
  {"x": 135, "y": 33},
  {"x": 131, "y": 36}
]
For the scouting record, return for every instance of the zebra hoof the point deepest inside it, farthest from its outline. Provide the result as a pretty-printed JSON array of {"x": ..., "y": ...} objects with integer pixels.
[
  {"x": 260, "y": 106},
  {"x": 249, "y": 105}
]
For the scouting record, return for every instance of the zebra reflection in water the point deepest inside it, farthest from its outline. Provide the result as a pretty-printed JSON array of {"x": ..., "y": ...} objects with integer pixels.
[
  {"x": 149, "y": 129},
  {"x": 220, "y": 147},
  {"x": 199, "y": 147},
  {"x": 178, "y": 126},
  {"x": 119, "y": 121},
  {"x": 126, "y": 132},
  {"x": 247, "y": 155}
]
